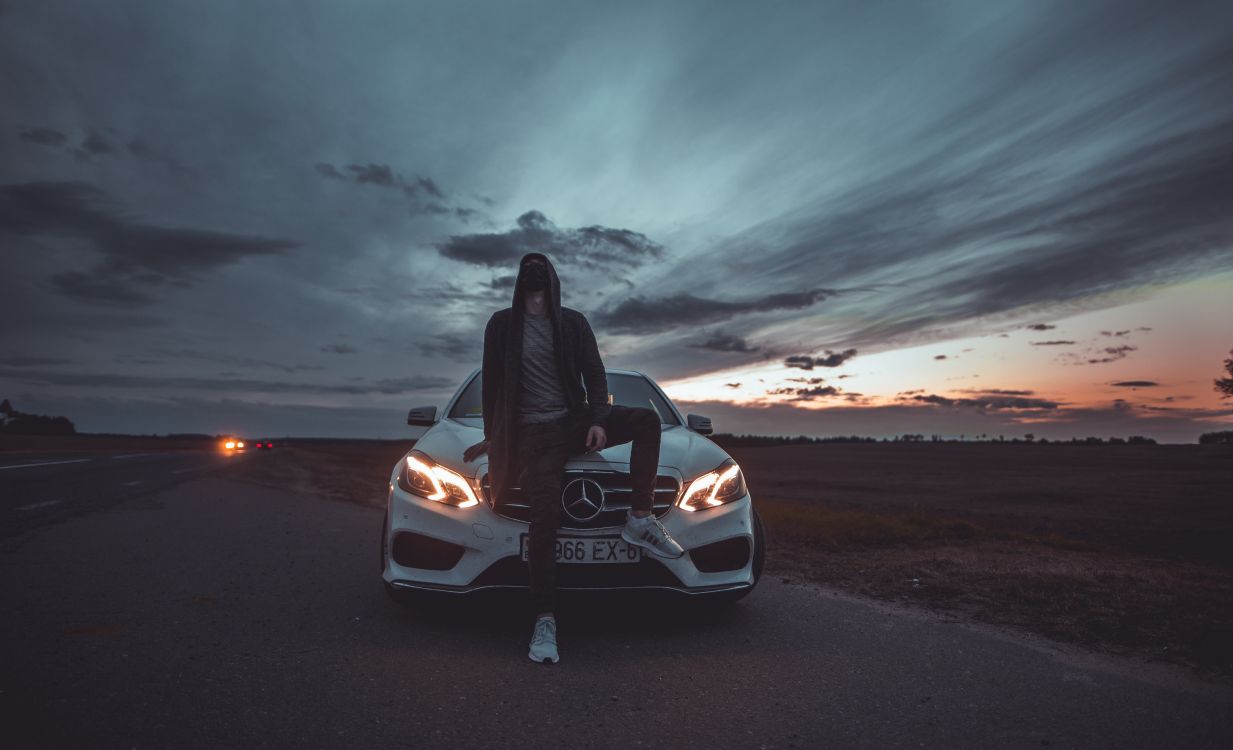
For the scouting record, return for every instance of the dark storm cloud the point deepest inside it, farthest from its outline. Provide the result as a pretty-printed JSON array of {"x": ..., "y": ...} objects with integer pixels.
[
  {"x": 339, "y": 349},
  {"x": 1113, "y": 354},
  {"x": 94, "y": 144},
  {"x": 725, "y": 342},
  {"x": 381, "y": 175},
  {"x": 995, "y": 391},
  {"x": 459, "y": 348},
  {"x": 33, "y": 361},
  {"x": 162, "y": 355},
  {"x": 809, "y": 393},
  {"x": 1135, "y": 384},
  {"x": 593, "y": 247},
  {"x": 136, "y": 258},
  {"x": 384, "y": 176},
  {"x": 639, "y": 314},
  {"x": 988, "y": 403},
  {"x": 388, "y": 386},
  {"x": 43, "y": 136},
  {"x": 830, "y": 359}
]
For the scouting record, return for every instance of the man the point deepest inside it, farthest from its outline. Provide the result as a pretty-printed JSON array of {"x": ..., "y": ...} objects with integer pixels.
[{"x": 537, "y": 357}]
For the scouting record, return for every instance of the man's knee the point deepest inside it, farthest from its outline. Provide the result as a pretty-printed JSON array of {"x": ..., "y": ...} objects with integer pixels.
[{"x": 646, "y": 418}]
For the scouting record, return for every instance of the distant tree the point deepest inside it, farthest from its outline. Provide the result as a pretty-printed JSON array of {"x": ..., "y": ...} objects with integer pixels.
[
  {"x": 1224, "y": 386},
  {"x": 1029, "y": 437},
  {"x": 6, "y": 407},
  {"x": 1215, "y": 438}
]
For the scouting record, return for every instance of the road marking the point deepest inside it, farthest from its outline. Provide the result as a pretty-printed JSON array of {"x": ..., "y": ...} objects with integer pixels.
[
  {"x": 46, "y": 463},
  {"x": 44, "y": 504},
  {"x": 134, "y": 455},
  {"x": 132, "y": 483}
]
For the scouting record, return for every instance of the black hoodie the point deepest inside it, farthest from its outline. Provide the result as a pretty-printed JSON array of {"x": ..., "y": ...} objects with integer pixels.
[{"x": 578, "y": 363}]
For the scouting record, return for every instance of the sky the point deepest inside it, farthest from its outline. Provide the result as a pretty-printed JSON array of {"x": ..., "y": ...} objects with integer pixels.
[{"x": 800, "y": 218}]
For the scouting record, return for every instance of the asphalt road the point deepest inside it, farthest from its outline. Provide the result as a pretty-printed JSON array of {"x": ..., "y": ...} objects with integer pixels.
[{"x": 195, "y": 610}]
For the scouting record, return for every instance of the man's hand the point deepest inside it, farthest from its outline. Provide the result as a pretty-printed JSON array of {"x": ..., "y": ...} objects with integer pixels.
[
  {"x": 597, "y": 438},
  {"x": 475, "y": 451}
]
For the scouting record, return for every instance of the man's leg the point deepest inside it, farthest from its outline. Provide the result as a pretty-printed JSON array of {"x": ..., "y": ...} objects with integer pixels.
[
  {"x": 543, "y": 461},
  {"x": 639, "y": 425}
]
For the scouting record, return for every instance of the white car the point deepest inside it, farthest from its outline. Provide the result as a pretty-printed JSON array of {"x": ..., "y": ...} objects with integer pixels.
[{"x": 442, "y": 532}]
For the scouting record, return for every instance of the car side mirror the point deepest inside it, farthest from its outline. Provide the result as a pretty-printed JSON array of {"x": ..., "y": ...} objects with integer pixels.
[
  {"x": 699, "y": 424},
  {"x": 422, "y": 416}
]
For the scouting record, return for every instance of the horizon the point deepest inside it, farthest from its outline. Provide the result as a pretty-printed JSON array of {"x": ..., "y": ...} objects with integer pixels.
[{"x": 957, "y": 218}]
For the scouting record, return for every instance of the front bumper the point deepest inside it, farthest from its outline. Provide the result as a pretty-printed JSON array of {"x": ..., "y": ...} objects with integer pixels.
[{"x": 487, "y": 550}]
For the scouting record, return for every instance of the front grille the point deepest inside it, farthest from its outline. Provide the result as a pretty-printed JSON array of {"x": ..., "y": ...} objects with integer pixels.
[{"x": 617, "y": 494}]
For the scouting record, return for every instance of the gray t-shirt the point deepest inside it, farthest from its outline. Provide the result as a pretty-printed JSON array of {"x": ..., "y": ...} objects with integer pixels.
[{"x": 540, "y": 398}]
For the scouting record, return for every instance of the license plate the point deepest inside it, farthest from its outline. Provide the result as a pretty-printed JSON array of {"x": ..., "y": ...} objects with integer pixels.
[{"x": 591, "y": 549}]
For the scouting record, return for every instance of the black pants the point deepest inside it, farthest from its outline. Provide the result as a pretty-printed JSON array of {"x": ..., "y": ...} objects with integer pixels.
[{"x": 544, "y": 449}]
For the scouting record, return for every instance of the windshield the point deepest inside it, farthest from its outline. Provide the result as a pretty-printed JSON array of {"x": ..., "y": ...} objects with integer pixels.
[{"x": 626, "y": 390}]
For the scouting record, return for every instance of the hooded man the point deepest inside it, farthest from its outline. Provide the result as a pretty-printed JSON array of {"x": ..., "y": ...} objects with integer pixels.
[{"x": 545, "y": 398}]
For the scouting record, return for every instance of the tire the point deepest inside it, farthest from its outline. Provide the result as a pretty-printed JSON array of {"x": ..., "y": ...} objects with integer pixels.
[{"x": 759, "y": 561}]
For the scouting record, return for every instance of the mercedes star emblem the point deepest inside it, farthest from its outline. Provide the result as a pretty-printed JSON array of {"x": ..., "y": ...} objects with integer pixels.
[{"x": 582, "y": 499}]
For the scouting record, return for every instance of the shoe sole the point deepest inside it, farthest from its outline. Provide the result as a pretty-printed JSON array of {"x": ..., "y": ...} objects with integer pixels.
[
  {"x": 545, "y": 660},
  {"x": 649, "y": 548}
]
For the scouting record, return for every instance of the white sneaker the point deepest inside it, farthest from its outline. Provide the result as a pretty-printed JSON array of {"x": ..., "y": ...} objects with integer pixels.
[
  {"x": 544, "y": 641},
  {"x": 650, "y": 534}
]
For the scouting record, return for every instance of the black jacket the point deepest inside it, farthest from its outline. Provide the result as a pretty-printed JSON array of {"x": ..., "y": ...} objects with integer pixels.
[{"x": 578, "y": 363}]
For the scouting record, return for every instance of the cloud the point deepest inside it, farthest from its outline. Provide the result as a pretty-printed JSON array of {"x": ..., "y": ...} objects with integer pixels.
[
  {"x": 160, "y": 383},
  {"x": 1040, "y": 327},
  {"x": 638, "y": 314},
  {"x": 1051, "y": 343},
  {"x": 812, "y": 381},
  {"x": 991, "y": 391},
  {"x": 384, "y": 176},
  {"x": 724, "y": 342},
  {"x": 33, "y": 361},
  {"x": 805, "y": 393},
  {"x": 1114, "y": 333},
  {"x": 991, "y": 402},
  {"x": 339, "y": 349},
  {"x": 452, "y": 346},
  {"x": 593, "y": 247},
  {"x": 732, "y": 385},
  {"x": 136, "y": 258},
  {"x": 1135, "y": 384},
  {"x": 158, "y": 356},
  {"x": 43, "y": 136},
  {"x": 1113, "y": 354},
  {"x": 831, "y": 359},
  {"x": 939, "y": 356}
]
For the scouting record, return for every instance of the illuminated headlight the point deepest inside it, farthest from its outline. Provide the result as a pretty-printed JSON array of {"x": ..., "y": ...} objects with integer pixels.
[
  {"x": 419, "y": 475},
  {"x": 723, "y": 485}
]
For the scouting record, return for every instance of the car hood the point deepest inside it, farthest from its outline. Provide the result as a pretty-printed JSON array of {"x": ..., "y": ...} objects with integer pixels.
[{"x": 680, "y": 448}]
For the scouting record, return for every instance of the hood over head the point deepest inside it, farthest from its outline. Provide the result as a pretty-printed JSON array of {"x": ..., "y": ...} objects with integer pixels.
[{"x": 552, "y": 286}]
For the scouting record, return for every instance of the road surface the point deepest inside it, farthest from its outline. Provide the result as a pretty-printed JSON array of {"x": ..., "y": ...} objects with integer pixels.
[{"x": 197, "y": 610}]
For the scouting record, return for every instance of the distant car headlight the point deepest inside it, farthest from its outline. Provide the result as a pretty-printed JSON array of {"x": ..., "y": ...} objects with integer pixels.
[
  {"x": 723, "y": 485},
  {"x": 421, "y": 476}
]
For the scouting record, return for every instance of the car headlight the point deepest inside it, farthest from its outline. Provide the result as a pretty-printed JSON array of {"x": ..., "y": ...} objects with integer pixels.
[
  {"x": 419, "y": 475},
  {"x": 723, "y": 485}
]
